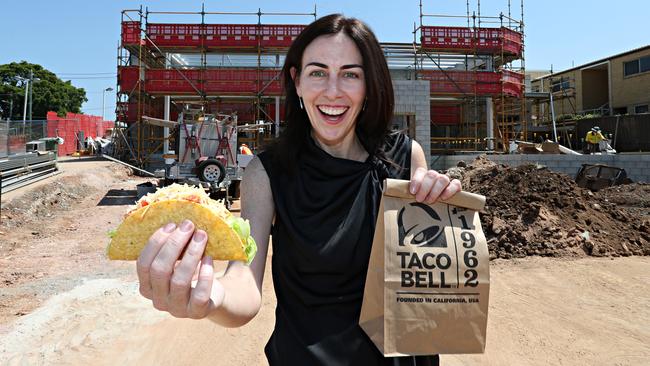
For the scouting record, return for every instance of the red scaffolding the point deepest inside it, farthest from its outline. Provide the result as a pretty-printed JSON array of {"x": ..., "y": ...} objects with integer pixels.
[{"x": 147, "y": 73}]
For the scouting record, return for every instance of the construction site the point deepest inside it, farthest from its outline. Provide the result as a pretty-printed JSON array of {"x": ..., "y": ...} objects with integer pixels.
[{"x": 199, "y": 94}]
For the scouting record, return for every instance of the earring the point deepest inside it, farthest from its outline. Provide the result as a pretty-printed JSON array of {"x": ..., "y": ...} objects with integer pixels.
[
  {"x": 364, "y": 104},
  {"x": 300, "y": 102}
]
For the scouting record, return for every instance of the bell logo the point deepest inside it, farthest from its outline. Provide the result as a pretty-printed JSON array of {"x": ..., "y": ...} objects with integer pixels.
[{"x": 420, "y": 225}]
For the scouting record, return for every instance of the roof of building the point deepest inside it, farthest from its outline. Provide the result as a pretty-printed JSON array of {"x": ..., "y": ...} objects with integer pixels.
[{"x": 642, "y": 48}]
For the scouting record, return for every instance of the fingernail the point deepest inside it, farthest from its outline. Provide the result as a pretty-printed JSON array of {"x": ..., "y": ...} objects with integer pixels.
[
  {"x": 412, "y": 189},
  {"x": 186, "y": 226},
  {"x": 169, "y": 227},
  {"x": 199, "y": 235}
]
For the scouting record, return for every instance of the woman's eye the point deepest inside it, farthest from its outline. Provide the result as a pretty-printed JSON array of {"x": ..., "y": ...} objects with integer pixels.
[
  {"x": 317, "y": 73},
  {"x": 351, "y": 75}
]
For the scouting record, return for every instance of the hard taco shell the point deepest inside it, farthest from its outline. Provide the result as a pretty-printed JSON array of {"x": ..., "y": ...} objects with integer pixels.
[{"x": 134, "y": 232}]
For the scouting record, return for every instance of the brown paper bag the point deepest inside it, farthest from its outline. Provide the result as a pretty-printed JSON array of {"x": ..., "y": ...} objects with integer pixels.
[{"x": 428, "y": 277}]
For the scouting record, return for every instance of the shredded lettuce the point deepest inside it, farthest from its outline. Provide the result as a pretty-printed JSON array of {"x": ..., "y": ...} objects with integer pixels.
[
  {"x": 111, "y": 233},
  {"x": 243, "y": 230}
]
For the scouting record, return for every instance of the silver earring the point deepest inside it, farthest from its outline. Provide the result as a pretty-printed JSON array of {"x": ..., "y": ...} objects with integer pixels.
[{"x": 300, "y": 102}]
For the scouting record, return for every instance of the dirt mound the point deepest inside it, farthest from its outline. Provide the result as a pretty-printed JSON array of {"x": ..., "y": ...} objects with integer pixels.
[
  {"x": 635, "y": 198},
  {"x": 62, "y": 194},
  {"x": 531, "y": 210}
]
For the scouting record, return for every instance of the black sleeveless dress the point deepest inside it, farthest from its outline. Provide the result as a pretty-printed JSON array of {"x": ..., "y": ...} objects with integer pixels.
[{"x": 325, "y": 217}]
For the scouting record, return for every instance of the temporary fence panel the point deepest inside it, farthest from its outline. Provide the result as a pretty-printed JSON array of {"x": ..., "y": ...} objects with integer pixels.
[{"x": 71, "y": 126}]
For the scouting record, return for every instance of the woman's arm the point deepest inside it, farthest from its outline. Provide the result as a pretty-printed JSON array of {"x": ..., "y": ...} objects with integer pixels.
[
  {"x": 429, "y": 185},
  {"x": 231, "y": 300},
  {"x": 242, "y": 284}
]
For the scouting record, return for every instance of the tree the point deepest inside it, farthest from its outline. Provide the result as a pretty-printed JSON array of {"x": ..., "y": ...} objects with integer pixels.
[{"x": 50, "y": 93}]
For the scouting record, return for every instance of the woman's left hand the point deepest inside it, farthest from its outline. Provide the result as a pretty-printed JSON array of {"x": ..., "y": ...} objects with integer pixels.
[{"x": 428, "y": 186}]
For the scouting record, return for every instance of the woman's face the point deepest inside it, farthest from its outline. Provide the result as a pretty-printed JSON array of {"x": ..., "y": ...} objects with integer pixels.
[{"x": 332, "y": 86}]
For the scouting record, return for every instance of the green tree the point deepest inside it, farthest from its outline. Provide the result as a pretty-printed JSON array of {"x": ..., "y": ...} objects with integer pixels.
[{"x": 50, "y": 93}]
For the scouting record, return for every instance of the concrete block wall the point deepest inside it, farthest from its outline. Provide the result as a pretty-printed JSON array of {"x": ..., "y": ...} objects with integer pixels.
[
  {"x": 412, "y": 97},
  {"x": 637, "y": 166}
]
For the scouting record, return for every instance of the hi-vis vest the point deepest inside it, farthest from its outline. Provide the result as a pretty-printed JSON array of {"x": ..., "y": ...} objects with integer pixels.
[{"x": 594, "y": 137}]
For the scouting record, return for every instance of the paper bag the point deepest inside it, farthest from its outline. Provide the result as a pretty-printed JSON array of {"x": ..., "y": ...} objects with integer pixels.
[{"x": 428, "y": 278}]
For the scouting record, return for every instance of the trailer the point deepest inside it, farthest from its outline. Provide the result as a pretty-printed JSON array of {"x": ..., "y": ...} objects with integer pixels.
[{"x": 205, "y": 152}]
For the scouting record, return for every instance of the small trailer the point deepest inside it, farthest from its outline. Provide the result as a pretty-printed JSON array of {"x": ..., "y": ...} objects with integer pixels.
[{"x": 205, "y": 152}]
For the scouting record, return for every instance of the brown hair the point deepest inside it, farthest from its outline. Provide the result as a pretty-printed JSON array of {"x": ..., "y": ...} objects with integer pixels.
[{"x": 372, "y": 123}]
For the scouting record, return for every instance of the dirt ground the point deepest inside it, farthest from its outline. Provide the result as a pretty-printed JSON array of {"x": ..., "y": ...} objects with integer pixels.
[{"x": 63, "y": 303}]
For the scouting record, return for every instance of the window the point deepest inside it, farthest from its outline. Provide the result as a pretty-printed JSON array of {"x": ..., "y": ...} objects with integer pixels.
[
  {"x": 561, "y": 84},
  {"x": 645, "y": 64},
  {"x": 636, "y": 66},
  {"x": 631, "y": 67},
  {"x": 641, "y": 109}
]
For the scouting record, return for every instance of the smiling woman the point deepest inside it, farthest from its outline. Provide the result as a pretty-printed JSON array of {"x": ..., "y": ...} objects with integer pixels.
[
  {"x": 317, "y": 190},
  {"x": 332, "y": 89}
]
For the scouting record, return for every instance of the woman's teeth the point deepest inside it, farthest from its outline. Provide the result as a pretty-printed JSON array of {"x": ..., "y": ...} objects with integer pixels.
[{"x": 332, "y": 111}]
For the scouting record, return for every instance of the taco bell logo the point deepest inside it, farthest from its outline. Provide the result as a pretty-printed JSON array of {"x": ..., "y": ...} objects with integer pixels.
[{"x": 420, "y": 225}]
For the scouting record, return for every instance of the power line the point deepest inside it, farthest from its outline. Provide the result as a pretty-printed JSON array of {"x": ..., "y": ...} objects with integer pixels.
[
  {"x": 89, "y": 77},
  {"x": 85, "y": 73}
]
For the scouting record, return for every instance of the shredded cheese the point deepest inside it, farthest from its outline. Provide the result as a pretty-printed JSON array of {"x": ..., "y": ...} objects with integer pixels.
[{"x": 181, "y": 192}]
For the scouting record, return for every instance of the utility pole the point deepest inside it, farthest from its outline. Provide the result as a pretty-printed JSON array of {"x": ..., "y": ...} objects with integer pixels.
[
  {"x": 31, "y": 94},
  {"x": 25, "y": 101},
  {"x": 11, "y": 106}
]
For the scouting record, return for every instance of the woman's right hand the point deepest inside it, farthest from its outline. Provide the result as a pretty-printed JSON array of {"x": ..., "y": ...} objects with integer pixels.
[{"x": 167, "y": 281}]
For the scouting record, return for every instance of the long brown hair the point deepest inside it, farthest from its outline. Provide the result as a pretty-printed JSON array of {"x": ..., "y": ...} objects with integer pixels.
[{"x": 372, "y": 123}]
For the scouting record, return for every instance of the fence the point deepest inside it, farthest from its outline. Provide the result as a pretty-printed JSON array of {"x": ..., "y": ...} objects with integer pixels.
[{"x": 15, "y": 134}]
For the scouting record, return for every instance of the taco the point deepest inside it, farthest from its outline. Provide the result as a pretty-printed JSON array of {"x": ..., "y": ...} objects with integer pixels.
[{"x": 228, "y": 236}]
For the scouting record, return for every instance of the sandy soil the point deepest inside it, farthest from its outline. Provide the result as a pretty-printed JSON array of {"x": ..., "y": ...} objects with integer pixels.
[{"x": 63, "y": 303}]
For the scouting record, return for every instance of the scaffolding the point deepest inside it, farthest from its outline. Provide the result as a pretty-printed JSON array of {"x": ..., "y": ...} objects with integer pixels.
[
  {"x": 477, "y": 93},
  {"x": 216, "y": 68}
]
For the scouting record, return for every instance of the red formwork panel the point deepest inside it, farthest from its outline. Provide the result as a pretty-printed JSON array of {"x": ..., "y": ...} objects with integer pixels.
[
  {"x": 271, "y": 111},
  {"x": 279, "y": 35},
  {"x": 462, "y": 82},
  {"x": 512, "y": 83},
  {"x": 512, "y": 41},
  {"x": 173, "y": 81},
  {"x": 454, "y": 38},
  {"x": 482, "y": 40},
  {"x": 231, "y": 35},
  {"x": 222, "y": 35},
  {"x": 174, "y": 35},
  {"x": 445, "y": 114},
  {"x": 245, "y": 110},
  {"x": 130, "y": 33},
  {"x": 213, "y": 81},
  {"x": 127, "y": 78}
]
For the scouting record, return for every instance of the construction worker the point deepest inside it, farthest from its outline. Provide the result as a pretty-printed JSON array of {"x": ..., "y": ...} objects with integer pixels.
[
  {"x": 593, "y": 138},
  {"x": 245, "y": 150}
]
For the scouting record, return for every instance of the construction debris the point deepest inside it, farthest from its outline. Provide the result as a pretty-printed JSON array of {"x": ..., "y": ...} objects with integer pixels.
[{"x": 533, "y": 211}]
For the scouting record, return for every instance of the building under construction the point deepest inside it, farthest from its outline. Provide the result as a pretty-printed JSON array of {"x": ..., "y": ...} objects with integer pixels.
[{"x": 456, "y": 88}]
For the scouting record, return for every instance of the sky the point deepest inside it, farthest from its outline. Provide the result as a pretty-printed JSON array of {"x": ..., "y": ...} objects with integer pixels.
[{"x": 78, "y": 39}]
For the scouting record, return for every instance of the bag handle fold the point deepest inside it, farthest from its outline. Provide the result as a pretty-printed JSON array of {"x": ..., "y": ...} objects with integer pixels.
[{"x": 400, "y": 188}]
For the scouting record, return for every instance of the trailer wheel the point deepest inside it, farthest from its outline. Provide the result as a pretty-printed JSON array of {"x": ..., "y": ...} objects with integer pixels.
[{"x": 212, "y": 171}]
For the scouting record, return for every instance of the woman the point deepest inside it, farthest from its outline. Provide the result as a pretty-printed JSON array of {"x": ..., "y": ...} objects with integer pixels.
[{"x": 317, "y": 191}]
